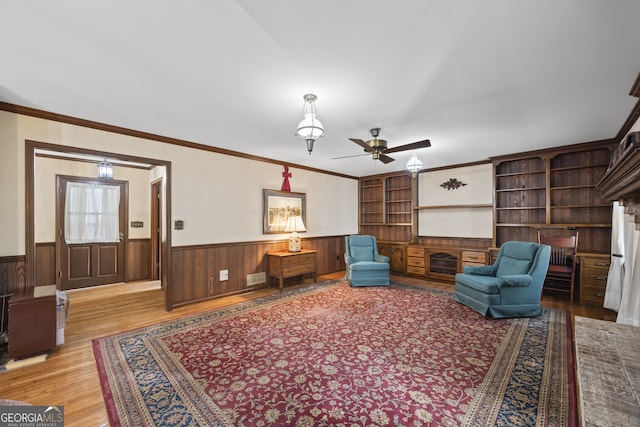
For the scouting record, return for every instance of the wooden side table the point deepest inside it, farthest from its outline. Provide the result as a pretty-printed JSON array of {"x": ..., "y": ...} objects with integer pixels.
[{"x": 283, "y": 264}]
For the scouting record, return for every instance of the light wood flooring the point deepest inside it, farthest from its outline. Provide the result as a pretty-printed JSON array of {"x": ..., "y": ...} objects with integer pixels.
[{"x": 69, "y": 377}]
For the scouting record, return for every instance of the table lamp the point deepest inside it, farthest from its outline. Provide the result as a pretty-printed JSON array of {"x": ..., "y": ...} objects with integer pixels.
[{"x": 294, "y": 224}]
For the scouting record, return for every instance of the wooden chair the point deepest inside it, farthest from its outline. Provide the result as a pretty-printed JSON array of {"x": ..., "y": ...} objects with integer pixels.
[{"x": 562, "y": 264}]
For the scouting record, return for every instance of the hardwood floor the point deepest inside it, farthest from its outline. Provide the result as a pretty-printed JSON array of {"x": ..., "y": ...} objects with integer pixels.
[{"x": 69, "y": 377}]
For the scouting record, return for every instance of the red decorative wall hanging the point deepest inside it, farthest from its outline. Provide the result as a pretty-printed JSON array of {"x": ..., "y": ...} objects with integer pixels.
[{"x": 285, "y": 183}]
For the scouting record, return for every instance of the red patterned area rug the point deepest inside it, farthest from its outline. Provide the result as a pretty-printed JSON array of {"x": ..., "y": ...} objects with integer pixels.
[{"x": 332, "y": 355}]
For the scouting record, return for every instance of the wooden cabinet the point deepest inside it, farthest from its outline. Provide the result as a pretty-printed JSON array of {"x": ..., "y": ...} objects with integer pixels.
[
  {"x": 283, "y": 264},
  {"x": 594, "y": 269},
  {"x": 416, "y": 262},
  {"x": 396, "y": 253},
  {"x": 554, "y": 189},
  {"x": 32, "y": 321},
  {"x": 473, "y": 258}
]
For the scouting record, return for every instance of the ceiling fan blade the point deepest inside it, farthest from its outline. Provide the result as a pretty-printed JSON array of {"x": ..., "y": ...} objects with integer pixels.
[
  {"x": 413, "y": 146},
  {"x": 361, "y": 143},
  {"x": 346, "y": 157},
  {"x": 385, "y": 159}
]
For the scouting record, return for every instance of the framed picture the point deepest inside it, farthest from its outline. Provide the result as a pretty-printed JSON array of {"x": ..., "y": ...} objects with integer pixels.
[{"x": 278, "y": 206}]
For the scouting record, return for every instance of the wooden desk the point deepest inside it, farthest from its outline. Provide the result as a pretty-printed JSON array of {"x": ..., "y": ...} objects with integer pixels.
[
  {"x": 32, "y": 321},
  {"x": 283, "y": 264}
]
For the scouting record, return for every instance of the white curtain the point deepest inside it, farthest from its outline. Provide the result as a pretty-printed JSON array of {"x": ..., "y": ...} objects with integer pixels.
[
  {"x": 629, "y": 310},
  {"x": 615, "y": 279},
  {"x": 92, "y": 213}
]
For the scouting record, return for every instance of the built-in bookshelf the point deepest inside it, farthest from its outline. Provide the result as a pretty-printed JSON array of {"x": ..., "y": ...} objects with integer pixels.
[{"x": 555, "y": 190}]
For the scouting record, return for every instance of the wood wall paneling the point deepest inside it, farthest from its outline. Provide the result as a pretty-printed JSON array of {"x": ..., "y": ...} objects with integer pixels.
[
  {"x": 196, "y": 269},
  {"x": 45, "y": 263},
  {"x": 12, "y": 273},
  {"x": 138, "y": 264}
]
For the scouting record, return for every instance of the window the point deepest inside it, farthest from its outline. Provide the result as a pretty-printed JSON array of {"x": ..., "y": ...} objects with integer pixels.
[{"x": 91, "y": 213}]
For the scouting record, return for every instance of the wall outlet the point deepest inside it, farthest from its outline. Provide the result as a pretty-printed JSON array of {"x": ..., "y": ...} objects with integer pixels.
[{"x": 224, "y": 275}]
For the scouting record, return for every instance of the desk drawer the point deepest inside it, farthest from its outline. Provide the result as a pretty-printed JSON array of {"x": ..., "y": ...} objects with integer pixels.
[
  {"x": 296, "y": 270},
  {"x": 415, "y": 251},
  {"x": 416, "y": 270},
  {"x": 415, "y": 262},
  {"x": 298, "y": 259},
  {"x": 474, "y": 258}
]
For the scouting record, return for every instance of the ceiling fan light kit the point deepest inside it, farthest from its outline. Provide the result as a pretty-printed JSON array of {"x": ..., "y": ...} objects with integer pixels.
[{"x": 309, "y": 128}]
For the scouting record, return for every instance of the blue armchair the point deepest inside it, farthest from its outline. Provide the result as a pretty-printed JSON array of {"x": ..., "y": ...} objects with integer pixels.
[
  {"x": 365, "y": 266},
  {"x": 511, "y": 287}
]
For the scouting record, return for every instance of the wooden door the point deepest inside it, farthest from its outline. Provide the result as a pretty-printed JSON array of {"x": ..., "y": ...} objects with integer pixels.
[
  {"x": 89, "y": 264},
  {"x": 156, "y": 228}
]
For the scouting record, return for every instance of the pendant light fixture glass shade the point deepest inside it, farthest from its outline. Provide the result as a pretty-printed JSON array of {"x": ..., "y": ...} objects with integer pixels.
[
  {"x": 105, "y": 170},
  {"x": 414, "y": 164},
  {"x": 309, "y": 127}
]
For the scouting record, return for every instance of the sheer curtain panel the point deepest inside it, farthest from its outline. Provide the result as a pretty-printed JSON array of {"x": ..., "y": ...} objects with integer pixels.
[{"x": 91, "y": 213}]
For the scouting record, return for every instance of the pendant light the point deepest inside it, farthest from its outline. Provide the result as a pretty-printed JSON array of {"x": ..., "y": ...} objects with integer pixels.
[
  {"x": 309, "y": 127},
  {"x": 414, "y": 164}
]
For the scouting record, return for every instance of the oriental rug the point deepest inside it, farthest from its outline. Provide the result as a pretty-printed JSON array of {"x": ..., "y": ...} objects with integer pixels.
[{"x": 332, "y": 355}]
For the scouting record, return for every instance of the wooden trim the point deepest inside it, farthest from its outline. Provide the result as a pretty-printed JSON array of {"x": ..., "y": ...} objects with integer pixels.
[
  {"x": 249, "y": 243},
  {"x": 76, "y": 159},
  {"x": 12, "y": 258},
  {"x": 478, "y": 205},
  {"x": 633, "y": 117},
  {"x": 550, "y": 152},
  {"x": 635, "y": 89},
  {"x": 30, "y": 148},
  {"x": 32, "y": 112}
]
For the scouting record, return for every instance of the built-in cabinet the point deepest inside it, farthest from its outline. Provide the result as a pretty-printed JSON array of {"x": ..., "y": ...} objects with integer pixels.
[
  {"x": 396, "y": 254},
  {"x": 441, "y": 264},
  {"x": 554, "y": 189},
  {"x": 594, "y": 269}
]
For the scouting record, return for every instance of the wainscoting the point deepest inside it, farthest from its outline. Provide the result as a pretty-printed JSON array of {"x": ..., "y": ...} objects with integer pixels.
[
  {"x": 195, "y": 269},
  {"x": 138, "y": 263},
  {"x": 12, "y": 273}
]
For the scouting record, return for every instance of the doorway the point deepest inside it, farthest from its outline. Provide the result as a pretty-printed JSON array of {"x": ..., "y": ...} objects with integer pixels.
[
  {"x": 65, "y": 152},
  {"x": 156, "y": 229},
  {"x": 86, "y": 262}
]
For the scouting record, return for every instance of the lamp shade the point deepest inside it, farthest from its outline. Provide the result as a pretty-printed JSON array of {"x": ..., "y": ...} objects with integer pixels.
[
  {"x": 294, "y": 224},
  {"x": 309, "y": 128},
  {"x": 414, "y": 164}
]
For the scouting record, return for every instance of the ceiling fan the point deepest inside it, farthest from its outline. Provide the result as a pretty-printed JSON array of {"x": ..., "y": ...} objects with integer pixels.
[{"x": 378, "y": 147}]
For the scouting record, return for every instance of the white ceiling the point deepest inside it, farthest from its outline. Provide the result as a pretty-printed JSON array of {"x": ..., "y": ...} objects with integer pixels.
[{"x": 477, "y": 78}]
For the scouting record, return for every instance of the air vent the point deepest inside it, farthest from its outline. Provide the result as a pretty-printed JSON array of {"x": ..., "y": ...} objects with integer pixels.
[{"x": 256, "y": 278}]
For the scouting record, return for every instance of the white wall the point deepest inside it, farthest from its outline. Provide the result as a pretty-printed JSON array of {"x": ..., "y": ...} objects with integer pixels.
[
  {"x": 449, "y": 214},
  {"x": 218, "y": 196}
]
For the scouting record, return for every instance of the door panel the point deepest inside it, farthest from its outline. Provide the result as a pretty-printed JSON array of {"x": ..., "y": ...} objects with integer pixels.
[
  {"x": 79, "y": 262},
  {"x": 108, "y": 260},
  {"x": 84, "y": 265}
]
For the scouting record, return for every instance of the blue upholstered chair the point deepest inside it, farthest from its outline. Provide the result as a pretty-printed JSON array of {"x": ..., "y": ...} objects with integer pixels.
[
  {"x": 511, "y": 287},
  {"x": 365, "y": 266}
]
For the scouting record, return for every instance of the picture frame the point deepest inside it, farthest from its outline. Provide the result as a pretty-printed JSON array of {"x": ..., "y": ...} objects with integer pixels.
[{"x": 277, "y": 206}]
